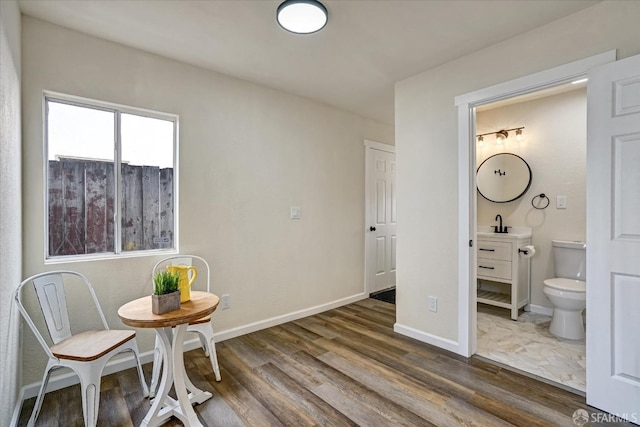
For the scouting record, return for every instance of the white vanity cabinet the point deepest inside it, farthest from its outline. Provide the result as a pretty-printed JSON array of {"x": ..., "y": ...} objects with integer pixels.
[{"x": 502, "y": 271}]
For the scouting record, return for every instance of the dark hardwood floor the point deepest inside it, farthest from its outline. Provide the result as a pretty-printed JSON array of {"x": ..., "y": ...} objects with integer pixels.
[{"x": 344, "y": 367}]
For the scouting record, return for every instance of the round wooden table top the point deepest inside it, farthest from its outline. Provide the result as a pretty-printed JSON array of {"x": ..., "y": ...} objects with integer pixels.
[{"x": 138, "y": 313}]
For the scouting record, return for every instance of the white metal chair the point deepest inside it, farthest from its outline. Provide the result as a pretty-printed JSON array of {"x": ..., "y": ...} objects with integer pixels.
[
  {"x": 203, "y": 327},
  {"x": 86, "y": 353}
]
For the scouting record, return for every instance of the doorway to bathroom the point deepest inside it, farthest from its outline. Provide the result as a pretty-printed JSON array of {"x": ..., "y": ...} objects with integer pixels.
[
  {"x": 540, "y": 141},
  {"x": 613, "y": 226}
]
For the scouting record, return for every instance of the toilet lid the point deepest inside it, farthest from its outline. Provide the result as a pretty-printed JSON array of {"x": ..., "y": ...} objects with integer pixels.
[{"x": 566, "y": 284}]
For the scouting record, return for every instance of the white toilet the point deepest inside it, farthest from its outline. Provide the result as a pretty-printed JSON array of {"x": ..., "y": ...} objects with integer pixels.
[{"x": 568, "y": 290}]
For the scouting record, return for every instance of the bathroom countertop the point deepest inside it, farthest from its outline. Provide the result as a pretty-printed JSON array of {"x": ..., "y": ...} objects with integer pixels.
[{"x": 514, "y": 232}]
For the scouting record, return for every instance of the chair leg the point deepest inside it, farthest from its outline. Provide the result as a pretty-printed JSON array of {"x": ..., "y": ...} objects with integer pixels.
[
  {"x": 90, "y": 384},
  {"x": 205, "y": 347},
  {"x": 41, "y": 393},
  {"x": 213, "y": 356},
  {"x": 155, "y": 373},
  {"x": 143, "y": 383}
]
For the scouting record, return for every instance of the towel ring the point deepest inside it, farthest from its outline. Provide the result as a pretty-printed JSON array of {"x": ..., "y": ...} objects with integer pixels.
[{"x": 542, "y": 197}]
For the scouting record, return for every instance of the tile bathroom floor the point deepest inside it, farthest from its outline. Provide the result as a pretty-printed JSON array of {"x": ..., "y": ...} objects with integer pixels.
[{"x": 527, "y": 345}]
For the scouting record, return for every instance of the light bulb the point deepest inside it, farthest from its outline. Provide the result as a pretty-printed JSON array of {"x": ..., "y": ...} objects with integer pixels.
[
  {"x": 501, "y": 136},
  {"x": 480, "y": 141},
  {"x": 519, "y": 135}
]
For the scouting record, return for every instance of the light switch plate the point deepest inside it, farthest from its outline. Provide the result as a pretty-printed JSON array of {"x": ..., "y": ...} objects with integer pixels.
[
  {"x": 561, "y": 202},
  {"x": 296, "y": 212}
]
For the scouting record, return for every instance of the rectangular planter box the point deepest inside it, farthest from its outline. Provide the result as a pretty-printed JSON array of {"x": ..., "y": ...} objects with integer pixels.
[{"x": 161, "y": 304}]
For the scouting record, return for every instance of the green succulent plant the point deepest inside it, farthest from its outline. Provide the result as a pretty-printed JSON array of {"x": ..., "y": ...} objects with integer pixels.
[{"x": 165, "y": 282}]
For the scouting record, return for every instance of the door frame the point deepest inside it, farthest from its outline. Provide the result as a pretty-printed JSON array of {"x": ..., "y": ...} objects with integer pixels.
[
  {"x": 467, "y": 215},
  {"x": 369, "y": 146}
]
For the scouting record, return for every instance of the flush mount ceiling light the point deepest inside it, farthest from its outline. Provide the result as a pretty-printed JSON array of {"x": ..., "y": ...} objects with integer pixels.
[{"x": 302, "y": 16}]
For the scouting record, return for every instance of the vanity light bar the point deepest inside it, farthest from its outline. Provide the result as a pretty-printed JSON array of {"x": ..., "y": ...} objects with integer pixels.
[{"x": 502, "y": 134}]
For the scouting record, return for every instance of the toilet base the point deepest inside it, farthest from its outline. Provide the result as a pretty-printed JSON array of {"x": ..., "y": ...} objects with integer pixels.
[{"x": 567, "y": 324}]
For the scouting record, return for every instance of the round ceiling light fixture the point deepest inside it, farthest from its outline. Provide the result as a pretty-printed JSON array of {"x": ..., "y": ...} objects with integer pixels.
[{"x": 302, "y": 16}]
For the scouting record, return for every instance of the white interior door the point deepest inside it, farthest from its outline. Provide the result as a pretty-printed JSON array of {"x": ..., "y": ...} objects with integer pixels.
[
  {"x": 381, "y": 220},
  {"x": 613, "y": 238}
]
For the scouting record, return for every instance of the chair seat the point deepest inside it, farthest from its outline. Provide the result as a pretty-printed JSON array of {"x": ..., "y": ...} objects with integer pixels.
[
  {"x": 91, "y": 345},
  {"x": 205, "y": 319}
]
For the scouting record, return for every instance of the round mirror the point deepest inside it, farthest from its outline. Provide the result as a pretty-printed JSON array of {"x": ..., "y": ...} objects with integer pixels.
[{"x": 503, "y": 178}]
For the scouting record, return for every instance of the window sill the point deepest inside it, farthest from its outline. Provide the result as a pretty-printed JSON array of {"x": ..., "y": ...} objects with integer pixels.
[{"x": 67, "y": 259}]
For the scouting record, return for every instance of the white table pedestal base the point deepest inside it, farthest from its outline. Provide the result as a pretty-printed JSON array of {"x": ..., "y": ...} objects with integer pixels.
[{"x": 164, "y": 406}]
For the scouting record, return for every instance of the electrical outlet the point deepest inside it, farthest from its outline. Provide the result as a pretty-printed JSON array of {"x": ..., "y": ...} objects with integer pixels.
[
  {"x": 225, "y": 302},
  {"x": 433, "y": 304}
]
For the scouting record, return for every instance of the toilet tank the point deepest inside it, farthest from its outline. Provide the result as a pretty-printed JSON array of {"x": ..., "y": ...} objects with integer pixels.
[{"x": 570, "y": 259}]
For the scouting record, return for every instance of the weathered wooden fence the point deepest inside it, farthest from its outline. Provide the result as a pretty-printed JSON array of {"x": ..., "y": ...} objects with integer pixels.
[{"x": 81, "y": 207}]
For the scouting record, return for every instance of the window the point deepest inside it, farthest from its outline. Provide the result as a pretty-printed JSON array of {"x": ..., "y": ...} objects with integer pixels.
[{"x": 110, "y": 178}]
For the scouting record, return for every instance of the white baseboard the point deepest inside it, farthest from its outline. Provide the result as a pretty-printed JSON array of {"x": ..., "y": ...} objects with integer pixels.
[
  {"x": 69, "y": 378},
  {"x": 278, "y": 320},
  {"x": 541, "y": 309},
  {"x": 425, "y": 337}
]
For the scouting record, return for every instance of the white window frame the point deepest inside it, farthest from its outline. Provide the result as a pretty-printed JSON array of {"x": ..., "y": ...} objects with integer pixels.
[{"x": 117, "y": 109}]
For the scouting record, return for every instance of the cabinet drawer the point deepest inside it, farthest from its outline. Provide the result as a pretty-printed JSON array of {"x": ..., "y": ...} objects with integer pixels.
[
  {"x": 494, "y": 268},
  {"x": 494, "y": 250}
]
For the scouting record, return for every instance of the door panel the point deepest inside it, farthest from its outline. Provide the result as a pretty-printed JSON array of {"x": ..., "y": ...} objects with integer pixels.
[
  {"x": 613, "y": 238},
  {"x": 626, "y": 295},
  {"x": 627, "y": 186},
  {"x": 380, "y": 201},
  {"x": 381, "y": 249}
]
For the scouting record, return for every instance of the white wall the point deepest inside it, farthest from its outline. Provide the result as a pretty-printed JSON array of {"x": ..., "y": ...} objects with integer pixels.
[
  {"x": 10, "y": 205},
  {"x": 247, "y": 153},
  {"x": 554, "y": 146},
  {"x": 427, "y": 154}
]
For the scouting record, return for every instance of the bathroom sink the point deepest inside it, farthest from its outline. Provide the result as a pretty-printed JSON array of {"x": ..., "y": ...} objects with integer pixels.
[{"x": 514, "y": 232}]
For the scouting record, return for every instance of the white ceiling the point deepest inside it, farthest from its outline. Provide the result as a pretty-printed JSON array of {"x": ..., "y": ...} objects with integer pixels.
[{"x": 352, "y": 63}]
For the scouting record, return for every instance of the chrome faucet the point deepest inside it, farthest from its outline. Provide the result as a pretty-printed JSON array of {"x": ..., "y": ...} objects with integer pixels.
[{"x": 499, "y": 228}]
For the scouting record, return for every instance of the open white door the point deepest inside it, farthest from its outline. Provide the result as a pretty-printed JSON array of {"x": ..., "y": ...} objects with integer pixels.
[
  {"x": 381, "y": 221},
  {"x": 613, "y": 238}
]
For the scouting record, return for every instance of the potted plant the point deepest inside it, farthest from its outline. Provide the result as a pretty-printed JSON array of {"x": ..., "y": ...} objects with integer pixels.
[{"x": 166, "y": 296}]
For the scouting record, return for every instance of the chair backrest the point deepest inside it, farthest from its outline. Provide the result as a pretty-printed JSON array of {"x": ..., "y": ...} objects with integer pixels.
[
  {"x": 53, "y": 303},
  {"x": 50, "y": 290},
  {"x": 186, "y": 260}
]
